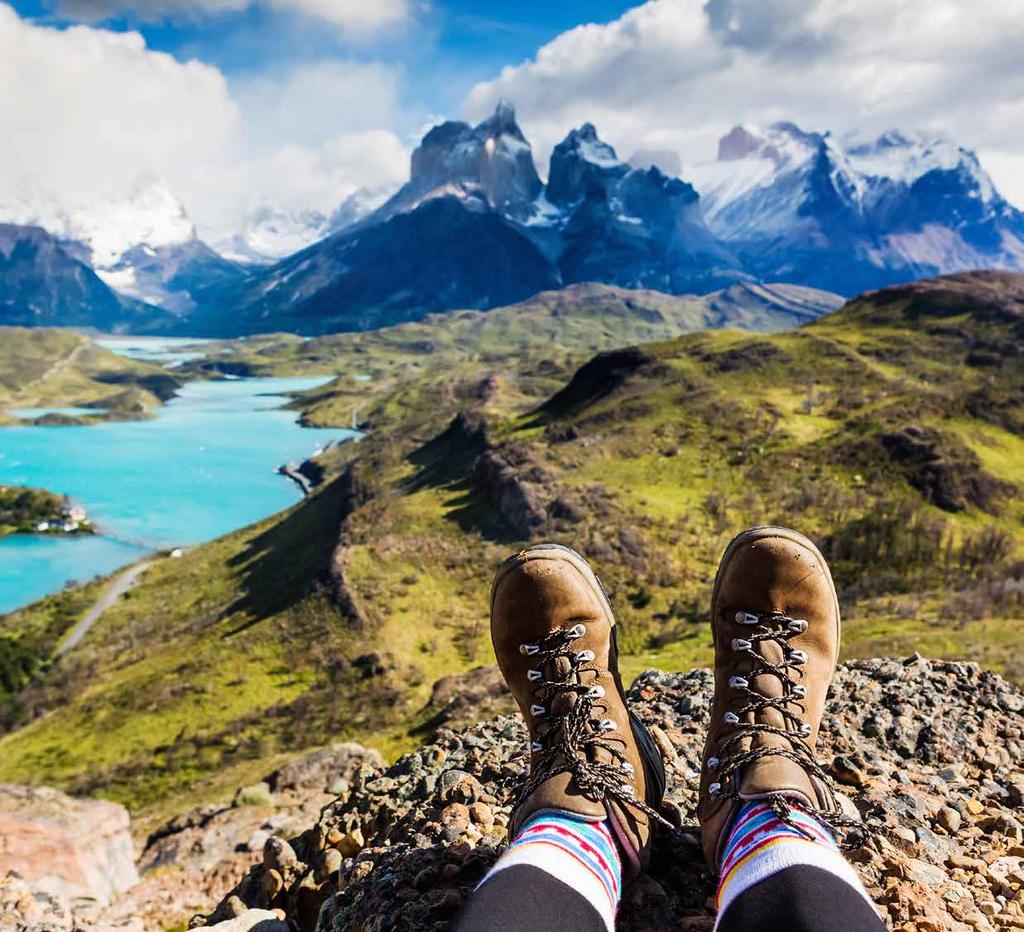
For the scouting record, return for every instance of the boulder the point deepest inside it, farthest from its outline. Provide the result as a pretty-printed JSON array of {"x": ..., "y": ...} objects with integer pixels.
[
  {"x": 329, "y": 770},
  {"x": 71, "y": 848},
  {"x": 253, "y": 920}
]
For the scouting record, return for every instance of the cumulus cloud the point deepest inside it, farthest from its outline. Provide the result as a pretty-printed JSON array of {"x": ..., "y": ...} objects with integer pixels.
[
  {"x": 91, "y": 115},
  {"x": 351, "y": 16},
  {"x": 83, "y": 108},
  {"x": 308, "y": 103},
  {"x": 679, "y": 73}
]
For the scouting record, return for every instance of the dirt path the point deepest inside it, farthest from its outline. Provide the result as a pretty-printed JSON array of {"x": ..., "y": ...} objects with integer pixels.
[
  {"x": 58, "y": 366},
  {"x": 118, "y": 586}
]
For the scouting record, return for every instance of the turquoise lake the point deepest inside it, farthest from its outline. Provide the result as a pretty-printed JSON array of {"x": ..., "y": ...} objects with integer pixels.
[{"x": 203, "y": 466}]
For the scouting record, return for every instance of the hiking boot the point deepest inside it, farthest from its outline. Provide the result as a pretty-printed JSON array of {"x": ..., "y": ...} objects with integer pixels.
[
  {"x": 554, "y": 637},
  {"x": 775, "y": 621}
]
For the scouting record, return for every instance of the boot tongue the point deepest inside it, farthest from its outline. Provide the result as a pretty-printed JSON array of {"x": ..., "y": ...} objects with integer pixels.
[{"x": 774, "y": 774}]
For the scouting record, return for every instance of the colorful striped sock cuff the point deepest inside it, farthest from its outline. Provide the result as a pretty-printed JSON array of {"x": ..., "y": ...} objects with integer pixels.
[
  {"x": 579, "y": 853},
  {"x": 760, "y": 844}
]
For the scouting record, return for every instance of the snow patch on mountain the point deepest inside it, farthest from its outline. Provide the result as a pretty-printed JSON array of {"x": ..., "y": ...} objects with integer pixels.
[{"x": 107, "y": 227}]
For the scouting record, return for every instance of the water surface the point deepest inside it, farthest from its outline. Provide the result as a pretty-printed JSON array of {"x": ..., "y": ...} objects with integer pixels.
[{"x": 203, "y": 466}]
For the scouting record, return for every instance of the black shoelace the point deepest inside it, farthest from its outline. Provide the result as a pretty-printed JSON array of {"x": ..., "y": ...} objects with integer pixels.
[
  {"x": 780, "y": 629},
  {"x": 568, "y": 742}
]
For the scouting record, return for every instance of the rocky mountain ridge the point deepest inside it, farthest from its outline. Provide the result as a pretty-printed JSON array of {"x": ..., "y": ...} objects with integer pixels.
[
  {"x": 857, "y": 214},
  {"x": 477, "y": 227}
]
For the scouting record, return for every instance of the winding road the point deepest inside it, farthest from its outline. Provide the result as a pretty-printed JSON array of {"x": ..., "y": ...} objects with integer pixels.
[{"x": 119, "y": 585}]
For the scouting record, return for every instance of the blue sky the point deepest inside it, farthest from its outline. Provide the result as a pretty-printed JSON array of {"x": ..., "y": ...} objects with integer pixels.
[
  {"x": 444, "y": 48},
  {"x": 244, "y": 107}
]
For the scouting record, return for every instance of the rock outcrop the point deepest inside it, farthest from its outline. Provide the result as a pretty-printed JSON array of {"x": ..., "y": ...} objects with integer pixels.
[
  {"x": 69, "y": 848},
  {"x": 929, "y": 752}
]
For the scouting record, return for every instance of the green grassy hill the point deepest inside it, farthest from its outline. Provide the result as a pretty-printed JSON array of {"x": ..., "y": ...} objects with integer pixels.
[
  {"x": 575, "y": 319},
  {"x": 892, "y": 431},
  {"x": 42, "y": 367}
]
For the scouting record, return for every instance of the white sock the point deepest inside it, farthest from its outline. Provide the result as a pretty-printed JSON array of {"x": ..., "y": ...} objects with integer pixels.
[
  {"x": 580, "y": 854},
  {"x": 760, "y": 844}
]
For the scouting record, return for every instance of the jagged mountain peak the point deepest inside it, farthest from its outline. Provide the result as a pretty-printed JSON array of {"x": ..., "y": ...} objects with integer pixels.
[
  {"x": 783, "y": 143},
  {"x": 581, "y": 163},
  {"x": 489, "y": 165}
]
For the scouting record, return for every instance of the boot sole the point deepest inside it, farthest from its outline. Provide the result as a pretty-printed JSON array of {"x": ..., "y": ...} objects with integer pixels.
[
  {"x": 654, "y": 764},
  {"x": 761, "y": 532}
]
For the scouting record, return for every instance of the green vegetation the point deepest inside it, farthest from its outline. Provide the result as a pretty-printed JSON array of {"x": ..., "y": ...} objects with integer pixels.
[
  {"x": 27, "y": 511},
  {"x": 61, "y": 368},
  {"x": 892, "y": 432}
]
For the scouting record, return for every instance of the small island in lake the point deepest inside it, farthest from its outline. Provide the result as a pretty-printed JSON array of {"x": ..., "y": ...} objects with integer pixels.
[{"x": 35, "y": 511}]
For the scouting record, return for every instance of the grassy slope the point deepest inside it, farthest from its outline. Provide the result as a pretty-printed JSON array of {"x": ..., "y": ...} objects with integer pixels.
[
  {"x": 579, "y": 318},
  {"x": 235, "y": 653},
  {"x": 61, "y": 368}
]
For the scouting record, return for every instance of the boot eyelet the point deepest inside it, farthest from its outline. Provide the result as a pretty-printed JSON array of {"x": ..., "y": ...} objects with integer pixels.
[
  {"x": 741, "y": 644},
  {"x": 798, "y": 656},
  {"x": 534, "y": 675},
  {"x": 585, "y": 656},
  {"x": 747, "y": 618},
  {"x": 738, "y": 682},
  {"x": 628, "y": 790},
  {"x": 797, "y": 625},
  {"x": 715, "y": 789},
  {"x": 800, "y": 691},
  {"x": 577, "y": 632},
  {"x": 607, "y": 724},
  {"x": 805, "y": 729},
  {"x": 731, "y": 718},
  {"x": 537, "y": 711},
  {"x": 595, "y": 692},
  {"x": 628, "y": 768},
  {"x": 713, "y": 763},
  {"x": 536, "y": 747},
  {"x": 528, "y": 650}
]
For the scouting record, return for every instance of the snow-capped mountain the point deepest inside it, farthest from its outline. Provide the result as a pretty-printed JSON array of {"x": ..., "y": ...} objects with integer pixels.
[
  {"x": 487, "y": 167},
  {"x": 849, "y": 214},
  {"x": 106, "y": 226},
  {"x": 43, "y": 284},
  {"x": 270, "y": 233},
  {"x": 141, "y": 244},
  {"x": 476, "y": 228}
]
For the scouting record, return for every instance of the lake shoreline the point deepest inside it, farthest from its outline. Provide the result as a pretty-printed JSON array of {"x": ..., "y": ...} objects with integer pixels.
[{"x": 204, "y": 465}]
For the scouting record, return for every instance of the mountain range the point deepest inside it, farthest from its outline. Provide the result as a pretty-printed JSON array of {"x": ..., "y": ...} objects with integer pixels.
[{"x": 477, "y": 227}]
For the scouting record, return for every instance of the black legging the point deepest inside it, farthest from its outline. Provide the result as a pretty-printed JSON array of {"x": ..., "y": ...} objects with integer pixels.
[{"x": 797, "y": 899}]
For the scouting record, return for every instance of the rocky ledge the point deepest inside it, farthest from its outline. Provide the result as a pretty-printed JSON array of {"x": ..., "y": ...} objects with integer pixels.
[{"x": 930, "y": 752}]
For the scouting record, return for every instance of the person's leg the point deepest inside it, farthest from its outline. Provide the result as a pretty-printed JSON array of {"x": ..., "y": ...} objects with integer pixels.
[
  {"x": 788, "y": 875},
  {"x": 557, "y": 866},
  {"x": 768, "y": 810},
  {"x": 582, "y": 823},
  {"x": 800, "y": 899}
]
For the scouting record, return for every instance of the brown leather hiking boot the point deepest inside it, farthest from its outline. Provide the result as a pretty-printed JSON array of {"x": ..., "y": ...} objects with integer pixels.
[
  {"x": 775, "y": 620},
  {"x": 554, "y": 637}
]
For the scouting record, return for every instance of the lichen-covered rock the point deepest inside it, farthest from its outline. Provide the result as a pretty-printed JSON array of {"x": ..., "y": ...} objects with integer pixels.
[{"x": 930, "y": 753}]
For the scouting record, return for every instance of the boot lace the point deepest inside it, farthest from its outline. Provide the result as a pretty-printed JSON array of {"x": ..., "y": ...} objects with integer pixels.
[
  {"x": 731, "y": 758},
  {"x": 568, "y": 742}
]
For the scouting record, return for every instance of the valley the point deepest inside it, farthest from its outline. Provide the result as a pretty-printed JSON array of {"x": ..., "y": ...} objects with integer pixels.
[{"x": 889, "y": 430}]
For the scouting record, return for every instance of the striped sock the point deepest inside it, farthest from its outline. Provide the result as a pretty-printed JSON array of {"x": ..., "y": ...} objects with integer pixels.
[
  {"x": 579, "y": 853},
  {"x": 761, "y": 844}
]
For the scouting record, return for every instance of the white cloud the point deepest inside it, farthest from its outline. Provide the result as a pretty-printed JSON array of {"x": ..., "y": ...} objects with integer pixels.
[
  {"x": 353, "y": 16},
  {"x": 82, "y": 108},
  {"x": 308, "y": 103},
  {"x": 89, "y": 115},
  {"x": 356, "y": 17},
  {"x": 679, "y": 73}
]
